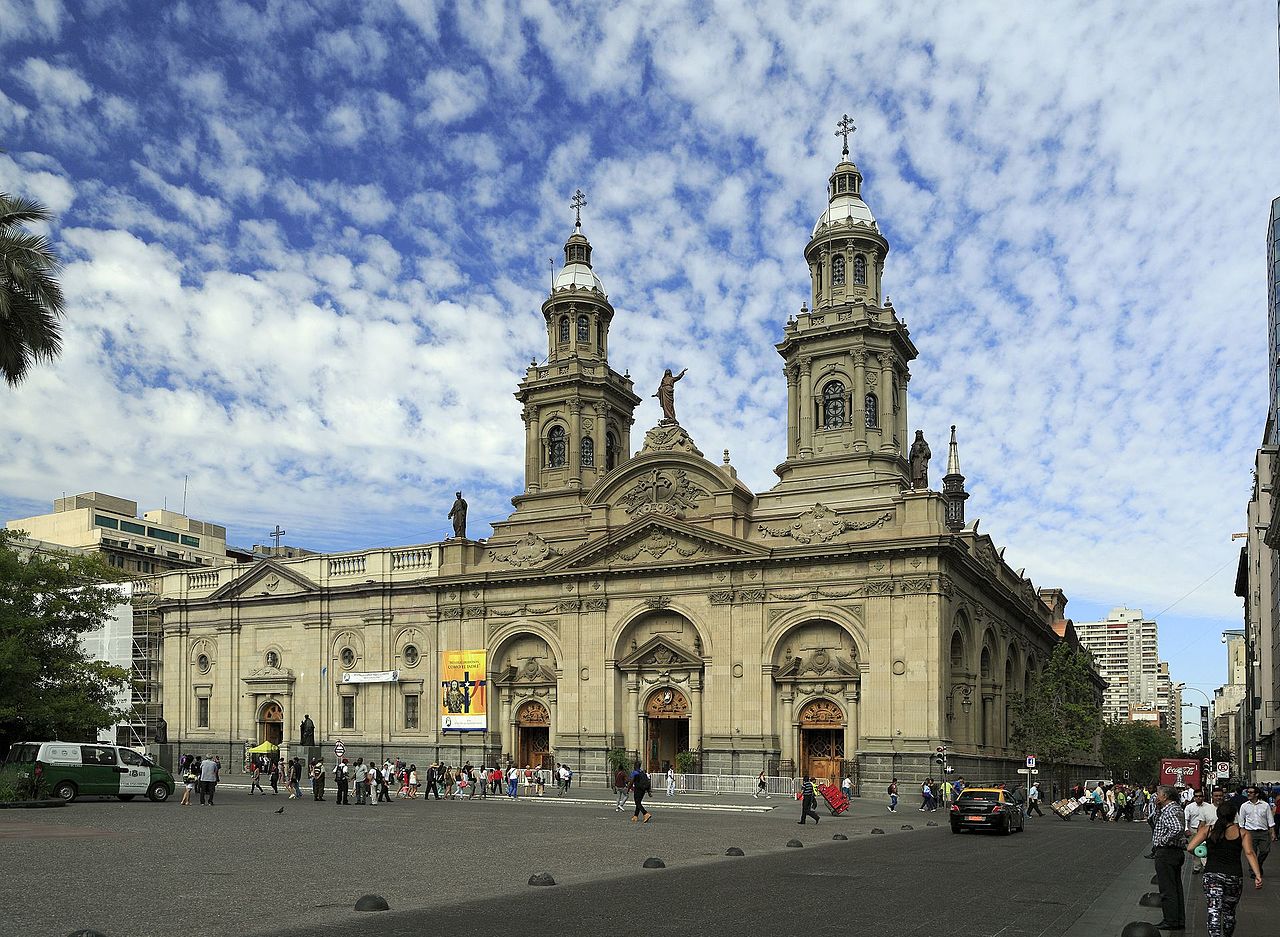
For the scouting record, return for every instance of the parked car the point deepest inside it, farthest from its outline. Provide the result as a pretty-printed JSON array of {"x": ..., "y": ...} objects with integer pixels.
[
  {"x": 987, "y": 808},
  {"x": 72, "y": 769}
]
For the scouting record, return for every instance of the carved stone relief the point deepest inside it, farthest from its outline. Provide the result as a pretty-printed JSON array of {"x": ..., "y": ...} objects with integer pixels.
[
  {"x": 823, "y": 525},
  {"x": 662, "y": 492},
  {"x": 529, "y": 550}
]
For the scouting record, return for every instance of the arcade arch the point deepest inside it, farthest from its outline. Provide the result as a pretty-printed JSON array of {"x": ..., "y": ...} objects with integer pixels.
[
  {"x": 524, "y": 669},
  {"x": 659, "y": 659},
  {"x": 817, "y": 679}
]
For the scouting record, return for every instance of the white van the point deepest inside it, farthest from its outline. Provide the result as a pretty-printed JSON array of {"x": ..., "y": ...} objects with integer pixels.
[{"x": 70, "y": 769}]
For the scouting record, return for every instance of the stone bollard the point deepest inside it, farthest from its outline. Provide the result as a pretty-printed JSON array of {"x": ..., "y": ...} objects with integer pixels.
[
  {"x": 654, "y": 863},
  {"x": 794, "y": 844},
  {"x": 876, "y": 829},
  {"x": 931, "y": 823},
  {"x": 1150, "y": 900},
  {"x": 87, "y": 932},
  {"x": 734, "y": 851},
  {"x": 840, "y": 836},
  {"x": 1140, "y": 929},
  {"x": 907, "y": 826},
  {"x": 372, "y": 903},
  {"x": 541, "y": 878}
]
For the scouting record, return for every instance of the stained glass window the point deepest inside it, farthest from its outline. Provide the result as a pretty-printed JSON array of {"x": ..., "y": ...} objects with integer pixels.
[
  {"x": 584, "y": 330},
  {"x": 555, "y": 447},
  {"x": 860, "y": 270},
  {"x": 837, "y": 271},
  {"x": 564, "y": 330},
  {"x": 873, "y": 412},
  {"x": 587, "y": 451},
  {"x": 833, "y": 405},
  {"x": 610, "y": 451}
]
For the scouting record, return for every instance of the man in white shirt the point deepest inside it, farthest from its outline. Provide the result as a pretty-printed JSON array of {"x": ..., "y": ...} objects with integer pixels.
[
  {"x": 1199, "y": 814},
  {"x": 1256, "y": 818}
]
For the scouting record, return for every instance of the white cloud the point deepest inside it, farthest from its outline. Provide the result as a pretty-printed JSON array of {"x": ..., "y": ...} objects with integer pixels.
[
  {"x": 54, "y": 83},
  {"x": 452, "y": 95}
]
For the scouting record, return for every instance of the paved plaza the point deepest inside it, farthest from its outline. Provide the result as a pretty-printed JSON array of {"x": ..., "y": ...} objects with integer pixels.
[{"x": 143, "y": 869}]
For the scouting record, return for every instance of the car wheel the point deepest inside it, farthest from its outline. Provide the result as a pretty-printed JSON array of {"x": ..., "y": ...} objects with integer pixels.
[
  {"x": 66, "y": 790},
  {"x": 126, "y": 796},
  {"x": 158, "y": 792}
]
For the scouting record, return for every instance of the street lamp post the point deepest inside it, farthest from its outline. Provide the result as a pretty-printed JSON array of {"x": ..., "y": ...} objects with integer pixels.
[{"x": 1213, "y": 766}]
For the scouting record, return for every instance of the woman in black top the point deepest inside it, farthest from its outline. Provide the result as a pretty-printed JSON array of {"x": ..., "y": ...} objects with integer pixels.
[{"x": 1223, "y": 881}]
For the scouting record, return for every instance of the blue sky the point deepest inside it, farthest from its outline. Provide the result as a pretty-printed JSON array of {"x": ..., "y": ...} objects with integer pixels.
[{"x": 306, "y": 244}]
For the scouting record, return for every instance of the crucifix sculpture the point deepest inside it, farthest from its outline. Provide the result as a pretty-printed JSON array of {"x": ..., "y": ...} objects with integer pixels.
[
  {"x": 845, "y": 127},
  {"x": 577, "y": 203}
]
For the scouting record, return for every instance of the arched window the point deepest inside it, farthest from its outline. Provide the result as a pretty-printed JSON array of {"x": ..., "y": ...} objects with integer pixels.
[
  {"x": 599, "y": 336},
  {"x": 860, "y": 271},
  {"x": 584, "y": 330},
  {"x": 564, "y": 330},
  {"x": 610, "y": 451},
  {"x": 837, "y": 271},
  {"x": 873, "y": 412},
  {"x": 833, "y": 405},
  {"x": 587, "y": 451},
  {"x": 957, "y": 651},
  {"x": 556, "y": 455}
]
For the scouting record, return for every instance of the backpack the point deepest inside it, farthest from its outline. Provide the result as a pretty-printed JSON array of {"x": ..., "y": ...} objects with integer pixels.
[{"x": 642, "y": 782}]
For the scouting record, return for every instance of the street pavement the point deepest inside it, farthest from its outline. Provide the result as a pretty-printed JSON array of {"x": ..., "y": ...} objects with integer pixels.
[{"x": 142, "y": 869}]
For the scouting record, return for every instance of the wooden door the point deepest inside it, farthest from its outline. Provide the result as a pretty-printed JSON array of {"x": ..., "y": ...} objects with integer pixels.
[{"x": 823, "y": 754}]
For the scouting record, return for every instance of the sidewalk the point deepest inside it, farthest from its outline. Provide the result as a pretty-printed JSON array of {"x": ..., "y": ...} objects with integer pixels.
[{"x": 1118, "y": 905}]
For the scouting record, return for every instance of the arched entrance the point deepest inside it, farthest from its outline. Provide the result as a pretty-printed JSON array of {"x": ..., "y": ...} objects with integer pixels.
[
  {"x": 666, "y": 727},
  {"x": 271, "y": 723},
  {"x": 533, "y": 725},
  {"x": 822, "y": 740}
]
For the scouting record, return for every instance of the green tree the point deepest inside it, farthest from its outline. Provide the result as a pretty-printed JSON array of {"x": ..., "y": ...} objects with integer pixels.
[
  {"x": 49, "y": 687},
  {"x": 1061, "y": 717},
  {"x": 1136, "y": 748},
  {"x": 30, "y": 297}
]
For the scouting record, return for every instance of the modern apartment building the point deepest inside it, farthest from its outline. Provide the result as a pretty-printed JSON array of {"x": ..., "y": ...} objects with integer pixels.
[
  {"x": 1125, "y": 648},
  {"x": 1169, "y": 702},
  {"x": 156, "y": 542}
]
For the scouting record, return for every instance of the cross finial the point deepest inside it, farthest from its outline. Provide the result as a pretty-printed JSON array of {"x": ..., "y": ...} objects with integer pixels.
[
  {"x": 576, "y": 203},
  {"x": 276, "y": 535},
  {"x": 845, "y": 127}
]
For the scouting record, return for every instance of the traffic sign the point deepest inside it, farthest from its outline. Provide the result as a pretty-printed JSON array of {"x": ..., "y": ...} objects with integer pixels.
[
  {"x": 1028, "y": 770},
  {"x": 1224, "y": 770},
  {"x": 1031, "y": 761},
  {"x": 339, "y": 749}
]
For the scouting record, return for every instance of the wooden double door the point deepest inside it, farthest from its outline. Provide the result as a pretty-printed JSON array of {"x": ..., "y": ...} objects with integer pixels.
[{"x": 822, "y": 754}]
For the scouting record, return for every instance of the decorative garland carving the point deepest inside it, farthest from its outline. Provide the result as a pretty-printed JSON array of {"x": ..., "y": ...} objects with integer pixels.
[
  {"x": 884, "y": 587},
  {"x": 915, "y": 585},
  {"x": 597, "y": 605},
  {"x": 822, "y": 524},
  {"x": 751, "y": 595},
  {"x": 722, "y": 598},
  {"x": 657, "y": 544},
  {"x": 658, "y": 601},
  {"x": 529, "y": 550}
]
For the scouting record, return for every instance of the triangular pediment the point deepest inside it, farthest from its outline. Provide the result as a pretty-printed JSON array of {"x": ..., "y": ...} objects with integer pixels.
[
  {"x": 656, "y": 541},
  {"x": 266, "y": 579},
  {"x": 532, "y": 673},
  {"x": 659, "y": 654}
]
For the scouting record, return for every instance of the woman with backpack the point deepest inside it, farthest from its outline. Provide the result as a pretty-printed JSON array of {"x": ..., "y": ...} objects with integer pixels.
[{"x": 640, "y": 787}]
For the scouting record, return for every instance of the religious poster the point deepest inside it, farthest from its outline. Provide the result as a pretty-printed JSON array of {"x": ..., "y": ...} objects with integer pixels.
[{"x": 463, "y": 700}]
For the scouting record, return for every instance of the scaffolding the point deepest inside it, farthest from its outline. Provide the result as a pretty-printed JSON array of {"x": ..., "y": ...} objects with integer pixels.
[{"x": 146, "y": 710}]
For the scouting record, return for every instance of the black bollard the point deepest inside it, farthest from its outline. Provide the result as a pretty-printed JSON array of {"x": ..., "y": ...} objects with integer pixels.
[
  {"x": 734, "y": 851},
  {"x": 541, "y": 878},
  {"x": 654, "y": 863},
  {"x": 840, "y": 836},
  {"x": 1150, "y": 900},
  {"x": 372, "y": 903},
  {"x": 794, "y": 844},
  {"x": 1140, "y": 929}
]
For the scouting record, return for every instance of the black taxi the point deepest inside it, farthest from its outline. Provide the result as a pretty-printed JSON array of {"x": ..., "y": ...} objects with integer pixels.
[{"x": 986, "y": 808}]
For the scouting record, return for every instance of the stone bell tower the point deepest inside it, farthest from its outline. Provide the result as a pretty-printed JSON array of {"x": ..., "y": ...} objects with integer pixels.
[
  {"x": 847, "y": 358},
  {"x": 577, "y": 410}
]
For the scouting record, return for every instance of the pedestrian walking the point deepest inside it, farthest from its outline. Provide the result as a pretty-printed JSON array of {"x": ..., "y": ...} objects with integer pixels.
[
  {"x": 762, "y": 786},
  {"x": 255, "y": 779},
  {"x": 926, "y": 795},
  {"x": 893, "y": 796},
  {"x": 620, "y": 787},
  {"x": 189, "y": 779},
  {"x": 357, "y": 780},
  {"x": 208, "y": 780},
  {"x": 1258, "y": 820},
  {"x": 846, "y": 787},
  {"x": 1033, "y": 799},
  {"x": 275, "y": 776},
  {"x": 808, "y": 800},
  {"x": 384, "y": 784},
  {"x": 317, "y": 779},
  {"x": 370, "y": 782},
  {"x": 1223, "y": 843},
  {"x": 1199, "y": 814},
  {"x": 1168, "y": 840},
  {"x": 513, "y": 782},
  {"x": 342, "y": 777},
  {"x": 671, "y": 781},
  {"x": 639, "y": 788}
]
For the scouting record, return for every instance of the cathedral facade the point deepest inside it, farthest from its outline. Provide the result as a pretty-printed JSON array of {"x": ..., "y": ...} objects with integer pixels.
[{"x": 642, "y": 597}]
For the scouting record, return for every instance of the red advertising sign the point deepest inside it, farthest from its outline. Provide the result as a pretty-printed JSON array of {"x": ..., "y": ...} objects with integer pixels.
[{"x": 1180, "y": 771}]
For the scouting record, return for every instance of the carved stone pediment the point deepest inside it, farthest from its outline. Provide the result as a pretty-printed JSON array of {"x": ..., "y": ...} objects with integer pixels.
[
  {"x": 659, "y": 655},
  {"x": 658, "y": 541},
  {"x": 821, "y": 664},
  {"x": 265, "y": 578},
  {"x": 530, "y": 673},
  {"x": 269, "y": 680}
]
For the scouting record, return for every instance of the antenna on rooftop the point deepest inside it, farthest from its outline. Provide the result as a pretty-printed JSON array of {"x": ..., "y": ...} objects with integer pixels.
[{"x": 184, "y": 495}]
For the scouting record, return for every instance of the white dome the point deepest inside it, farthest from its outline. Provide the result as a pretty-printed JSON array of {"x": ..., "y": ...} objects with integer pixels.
[
  {"x": 843, "y": 209},
  {"x": 579, "y": 275}
]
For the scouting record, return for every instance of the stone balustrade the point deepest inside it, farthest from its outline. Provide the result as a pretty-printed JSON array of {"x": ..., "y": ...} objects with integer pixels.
[
  {"x": 206, "y": 579},
  {"x": 417, "y": 558},
  {"x": 353, "y": 565}
]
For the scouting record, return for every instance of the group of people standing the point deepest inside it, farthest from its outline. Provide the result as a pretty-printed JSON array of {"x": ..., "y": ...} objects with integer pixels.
[{"x": 1223, "y": 835}]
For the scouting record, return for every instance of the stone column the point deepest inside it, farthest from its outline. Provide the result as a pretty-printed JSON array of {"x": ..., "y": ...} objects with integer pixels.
[
  {"x": 806, "y": 407},
  {"x": 600, "y": 413},
  {"x": 505, "y": 727},
  {"x": 793, "y": 416},
  {"x": 575, "y": 438},
  {"x": 886, "y": 402},
  {"x": 532, "y": 449},
  {"x": 787, "y": 730},
  {"x": 904, "y": 443},
  {"x": 851, "y": 724},
  {"x": 857, "y": 401},
  {"x": 636, "y": 729},
  {"x": 695, "y": 712}
]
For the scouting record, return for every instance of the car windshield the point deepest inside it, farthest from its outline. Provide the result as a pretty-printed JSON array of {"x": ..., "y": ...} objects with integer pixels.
[{"x": 986, "y": 797}]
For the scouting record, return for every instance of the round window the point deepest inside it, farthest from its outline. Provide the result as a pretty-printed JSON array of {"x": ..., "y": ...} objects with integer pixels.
[
  {"x": 410, "y": 655},
  {"x": 348, "y": 658},
  {"x": 203, "y": 663},
  {"x": 273, "y": 659}
]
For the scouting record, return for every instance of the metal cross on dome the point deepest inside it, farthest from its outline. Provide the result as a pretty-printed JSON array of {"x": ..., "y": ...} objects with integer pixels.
[
  {"x": 576, "y": 203},
  {"x": 845, "y": 127}
]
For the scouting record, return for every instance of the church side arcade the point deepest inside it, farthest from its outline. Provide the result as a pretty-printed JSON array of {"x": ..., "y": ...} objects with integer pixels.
[{"x": 848, "y": 620}]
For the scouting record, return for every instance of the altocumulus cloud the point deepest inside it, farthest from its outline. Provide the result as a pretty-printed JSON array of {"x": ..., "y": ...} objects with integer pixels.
[{"x": 306, "y": 247}]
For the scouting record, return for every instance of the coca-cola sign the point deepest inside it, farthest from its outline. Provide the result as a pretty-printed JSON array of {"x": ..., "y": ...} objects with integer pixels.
[{"x": 1184, "y": 772}]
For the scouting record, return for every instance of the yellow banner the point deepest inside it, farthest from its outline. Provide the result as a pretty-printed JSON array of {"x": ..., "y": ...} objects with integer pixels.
[{"x": 463, "y": 691}]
